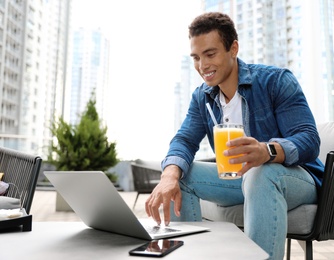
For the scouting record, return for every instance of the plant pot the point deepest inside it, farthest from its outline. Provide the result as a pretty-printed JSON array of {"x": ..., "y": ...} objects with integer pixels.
[{"x": 61, "y": 204}]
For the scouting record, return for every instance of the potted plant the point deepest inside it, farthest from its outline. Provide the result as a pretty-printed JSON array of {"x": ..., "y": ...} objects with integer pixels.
[{"x": 82, "y": 147}]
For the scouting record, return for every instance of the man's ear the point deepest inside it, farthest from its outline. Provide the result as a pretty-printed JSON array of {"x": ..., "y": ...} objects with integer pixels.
[{"x": 234, "y": 48}]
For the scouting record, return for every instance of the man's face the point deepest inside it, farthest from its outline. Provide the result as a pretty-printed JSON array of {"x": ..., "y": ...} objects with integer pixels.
[{"x": 211, "y": 59}]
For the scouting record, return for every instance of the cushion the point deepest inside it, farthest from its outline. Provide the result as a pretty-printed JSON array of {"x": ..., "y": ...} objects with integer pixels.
[
  {"x": 300, "y": 219},
  {"x": 3, "y": 187},
  {"x": 7, "y": 214},
  {"x": 9, "y": 203},
  {"x": 326, "y": 133},
  {"x": 214, "y": 212}
]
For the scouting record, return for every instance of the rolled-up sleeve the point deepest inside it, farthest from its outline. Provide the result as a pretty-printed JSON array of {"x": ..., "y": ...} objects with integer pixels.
[
  {"x": 290, "y": 151},
  {"x": 175, "y": 160}
]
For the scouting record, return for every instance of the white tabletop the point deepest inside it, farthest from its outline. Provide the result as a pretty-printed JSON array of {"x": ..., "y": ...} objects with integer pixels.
[{"x": 74, "y": 240}]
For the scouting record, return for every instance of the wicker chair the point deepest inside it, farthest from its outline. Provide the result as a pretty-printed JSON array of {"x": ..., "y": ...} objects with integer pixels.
[
  {"x": 145, "y": 179},
  {"x": 323, "y": 225},
  {"x": 21, "y": 172}
]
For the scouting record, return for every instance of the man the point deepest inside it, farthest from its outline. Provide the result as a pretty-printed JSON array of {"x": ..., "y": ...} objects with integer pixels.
[{"x": 269, "y": 102}]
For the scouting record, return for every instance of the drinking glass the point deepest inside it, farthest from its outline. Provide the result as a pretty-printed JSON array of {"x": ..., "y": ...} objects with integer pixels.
[{"x": 222, "y": 134}]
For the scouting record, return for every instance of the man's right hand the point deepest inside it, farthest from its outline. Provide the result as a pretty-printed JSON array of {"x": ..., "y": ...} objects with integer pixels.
[{"x": 166, "y": 191}]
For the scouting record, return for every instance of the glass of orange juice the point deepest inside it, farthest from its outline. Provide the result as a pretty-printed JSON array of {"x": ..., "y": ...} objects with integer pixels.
[{"x": 222, "y": 134}]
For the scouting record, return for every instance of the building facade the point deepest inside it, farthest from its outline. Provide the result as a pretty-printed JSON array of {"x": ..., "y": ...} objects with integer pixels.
[
  {"x": 33, "y": 68},
  {"x": 90, "y": 72}
]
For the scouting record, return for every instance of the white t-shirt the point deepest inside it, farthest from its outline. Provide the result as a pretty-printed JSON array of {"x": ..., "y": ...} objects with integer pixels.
[{"x": 232, "y": 110}]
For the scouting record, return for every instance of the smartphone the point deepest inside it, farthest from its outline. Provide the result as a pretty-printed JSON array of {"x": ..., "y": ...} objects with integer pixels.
[{"x": 156, "y": 248}]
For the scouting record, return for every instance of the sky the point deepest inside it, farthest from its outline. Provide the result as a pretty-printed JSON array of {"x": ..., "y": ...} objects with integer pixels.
[{"x": 148, "y": 39}]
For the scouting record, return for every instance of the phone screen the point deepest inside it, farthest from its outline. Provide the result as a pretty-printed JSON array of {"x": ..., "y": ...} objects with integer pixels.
[{"x": 157, "y": 248}]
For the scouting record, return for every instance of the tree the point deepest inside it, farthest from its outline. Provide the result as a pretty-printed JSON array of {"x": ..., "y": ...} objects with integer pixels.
[{"x": 84, "y": 146}]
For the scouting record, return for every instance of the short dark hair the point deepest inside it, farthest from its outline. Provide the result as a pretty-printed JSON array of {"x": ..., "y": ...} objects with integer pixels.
[{"x": 211, "y": 21}]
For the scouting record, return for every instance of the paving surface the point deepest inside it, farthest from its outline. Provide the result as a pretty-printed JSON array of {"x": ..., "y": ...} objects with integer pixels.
[{"x": 43, "y": 209}]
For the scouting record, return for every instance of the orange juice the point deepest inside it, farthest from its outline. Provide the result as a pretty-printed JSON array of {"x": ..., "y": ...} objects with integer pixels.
[{"x": 222, "y": 134}]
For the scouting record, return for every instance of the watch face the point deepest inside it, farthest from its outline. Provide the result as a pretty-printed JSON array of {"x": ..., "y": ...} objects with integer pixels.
[{"x": 272, "y": 149}]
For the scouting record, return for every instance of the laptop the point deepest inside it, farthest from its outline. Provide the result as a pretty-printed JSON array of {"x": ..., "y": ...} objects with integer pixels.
[{"x": 96, "y": 201}]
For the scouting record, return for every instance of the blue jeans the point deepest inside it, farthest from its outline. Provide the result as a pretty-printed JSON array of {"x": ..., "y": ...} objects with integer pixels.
[{"x": 268, "y": 192}]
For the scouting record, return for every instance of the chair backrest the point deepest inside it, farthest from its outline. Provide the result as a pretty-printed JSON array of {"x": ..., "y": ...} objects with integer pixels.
[
  {"x": 326, "y": 133},
  {"x": 145, "y": 178},
  {"x": 21, "y": 172},
  {"x": 323, "y": 228}
]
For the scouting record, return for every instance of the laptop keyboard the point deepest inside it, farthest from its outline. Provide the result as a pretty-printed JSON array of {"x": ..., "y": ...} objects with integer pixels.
[{"x": 160, "y": 230}]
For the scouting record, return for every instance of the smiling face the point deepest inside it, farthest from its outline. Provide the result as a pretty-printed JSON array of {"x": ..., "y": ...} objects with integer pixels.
[{"x": 215, "y": 65}]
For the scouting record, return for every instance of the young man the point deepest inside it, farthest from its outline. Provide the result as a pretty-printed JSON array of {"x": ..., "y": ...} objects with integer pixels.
[{"x": 269, "y": 102}]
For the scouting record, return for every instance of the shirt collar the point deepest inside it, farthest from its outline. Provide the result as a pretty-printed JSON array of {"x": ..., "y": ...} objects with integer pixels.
[{"x": 244, "y": 74}]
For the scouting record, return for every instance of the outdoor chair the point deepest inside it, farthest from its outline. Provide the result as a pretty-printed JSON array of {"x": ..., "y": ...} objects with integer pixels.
[
  {"x": 145, "y": 179},
  {"x": 323, "y": 224},
  {"x": 21, "y": 173}
]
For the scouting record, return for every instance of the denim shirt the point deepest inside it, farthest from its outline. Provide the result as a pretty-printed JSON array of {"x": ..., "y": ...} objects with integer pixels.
[{"x": 274, "y": 109}]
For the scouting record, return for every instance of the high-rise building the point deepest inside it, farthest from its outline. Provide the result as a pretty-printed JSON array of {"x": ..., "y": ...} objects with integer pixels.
[
  {"x": 90, "y": 72},
  {"x": 33, "y": 68}
]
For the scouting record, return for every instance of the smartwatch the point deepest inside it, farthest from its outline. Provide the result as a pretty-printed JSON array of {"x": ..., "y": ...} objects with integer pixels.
[{"x": 272, "y": 151}]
